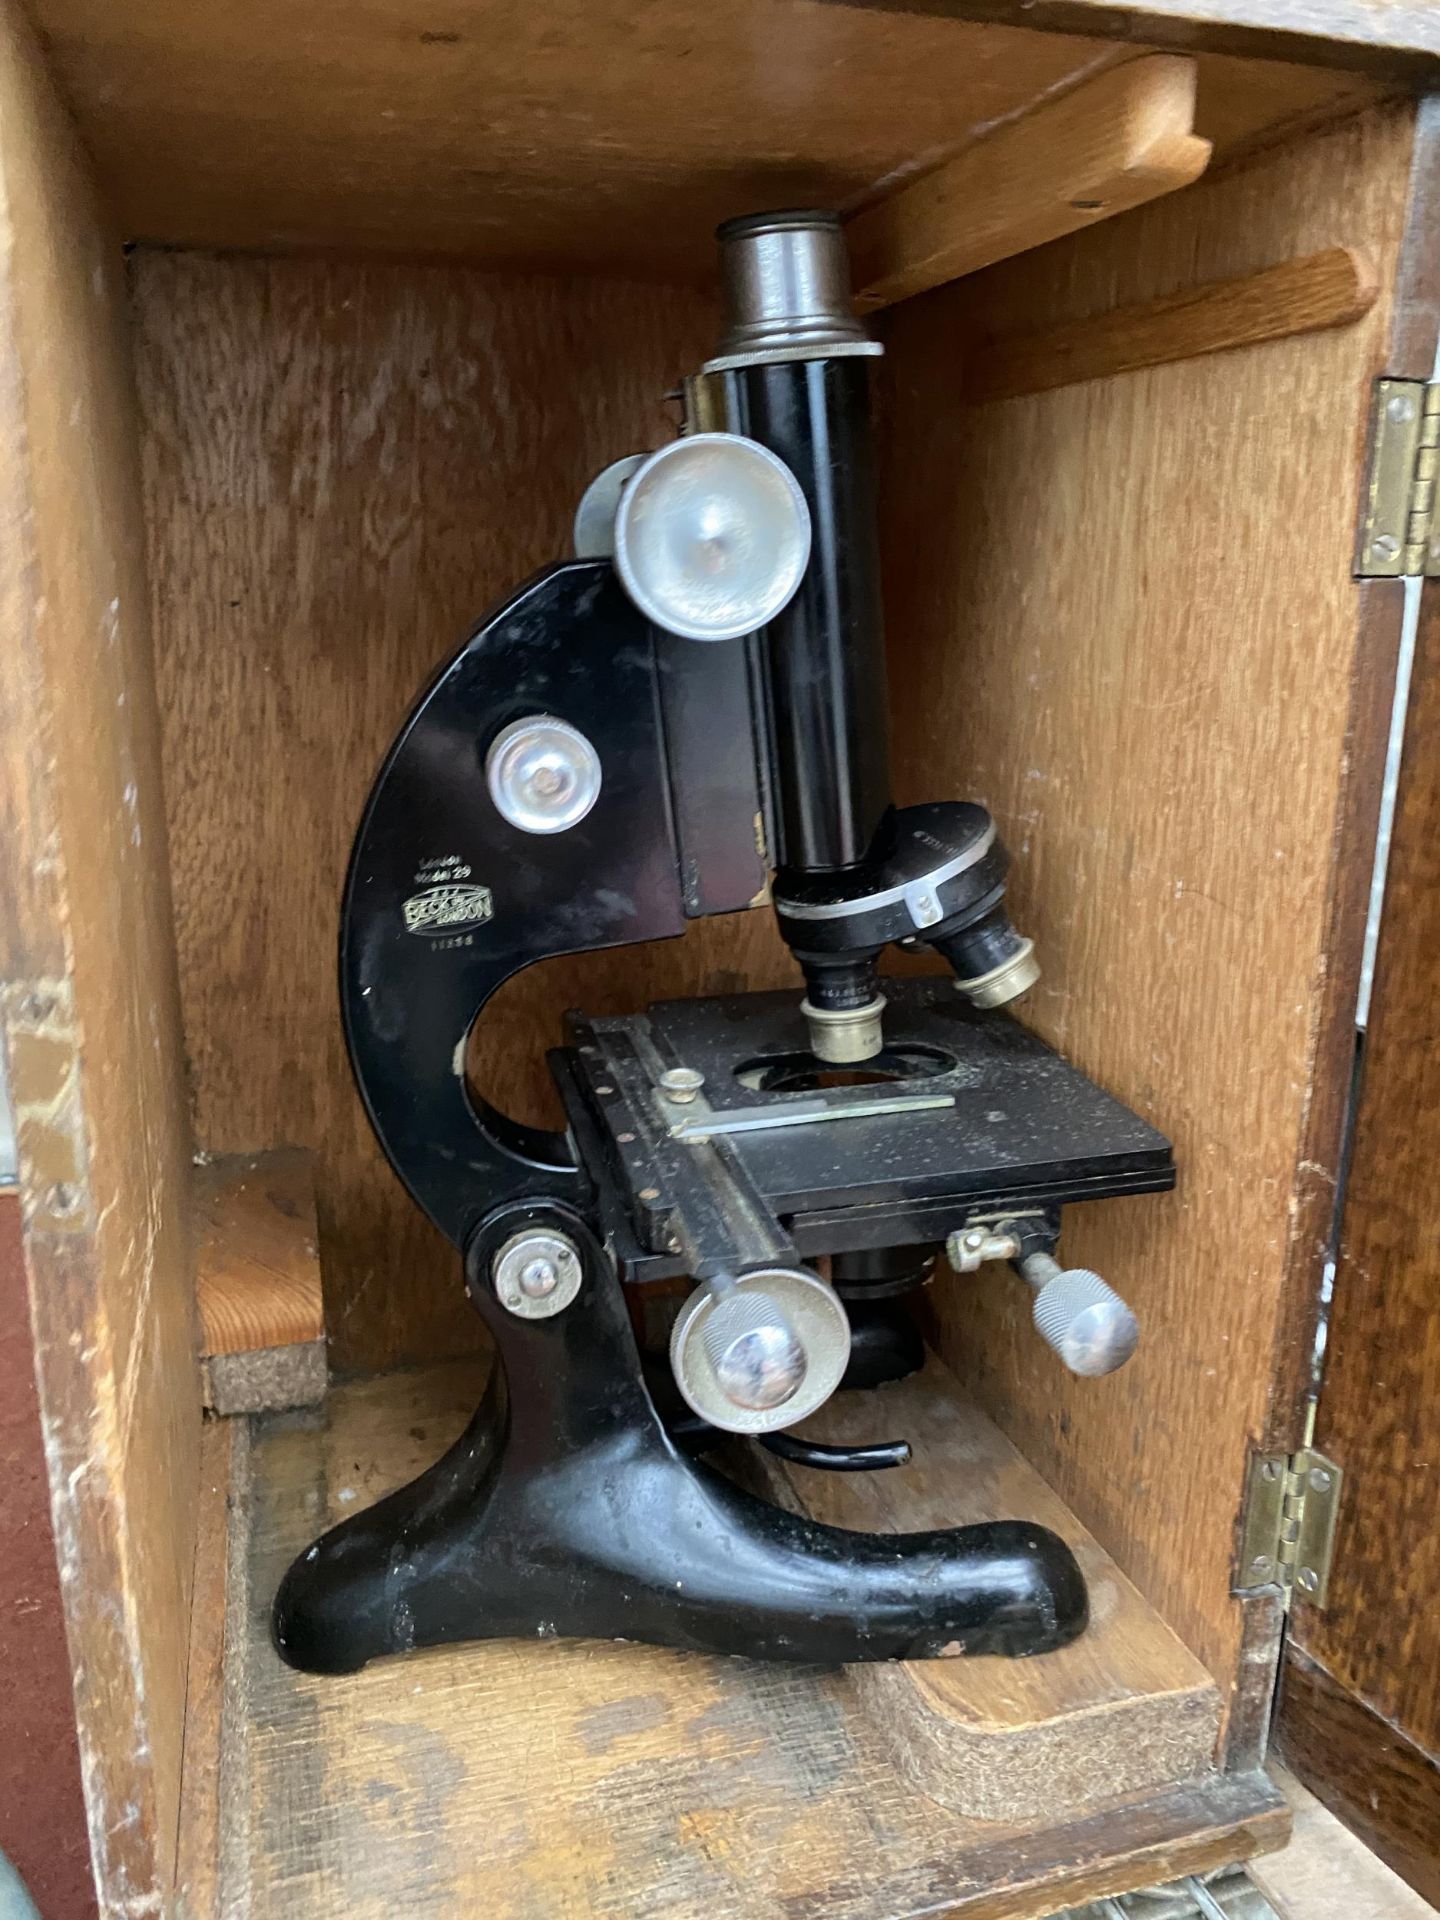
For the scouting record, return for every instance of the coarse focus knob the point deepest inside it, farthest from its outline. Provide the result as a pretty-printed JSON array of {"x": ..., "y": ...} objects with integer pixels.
[
  {"x": 758, "y": 1361},
  {"x": 1080, "y": 1316}
]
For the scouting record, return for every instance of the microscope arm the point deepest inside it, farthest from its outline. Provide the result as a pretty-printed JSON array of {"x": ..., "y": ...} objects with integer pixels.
[{"x": 445, "y": 898}]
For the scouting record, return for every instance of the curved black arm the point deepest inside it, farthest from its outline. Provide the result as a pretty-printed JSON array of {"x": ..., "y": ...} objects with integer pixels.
[{"x": 445, "y": 899}]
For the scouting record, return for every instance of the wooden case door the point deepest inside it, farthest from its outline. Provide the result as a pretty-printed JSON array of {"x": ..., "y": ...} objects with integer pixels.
[{"x": 1359, "y": 1712}]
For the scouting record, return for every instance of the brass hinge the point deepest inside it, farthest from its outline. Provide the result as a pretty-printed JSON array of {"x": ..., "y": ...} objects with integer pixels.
[
  {"x": 1288, "y": 1536},
  {"x": 1399, "y": 531}
]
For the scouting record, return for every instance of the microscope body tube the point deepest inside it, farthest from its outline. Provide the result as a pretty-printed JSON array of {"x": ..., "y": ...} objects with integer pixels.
[
  {"x": 796, "y": 362},
  {"x": 824, "y": 656}
]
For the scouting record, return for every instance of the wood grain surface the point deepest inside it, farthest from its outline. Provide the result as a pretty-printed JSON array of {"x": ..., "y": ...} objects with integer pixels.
[
  {"x": 1149, "y": 682},
  {"x": 197, "y": 1860},
  {"x": 575, "y": 1778},
  {"x": 1413, "y": 334},
  {"x": 344, "y": 466},
  {"x": 257, "y": 1255},
  {"x": 560, "y": 135},
  {"x": 1325, "y": 1868},
  {"x": 42, "y": 1806},
  {"x": 1415, "y": 308},
  {"x": 1377, "y": 1639},
  {"x": 1330, "y": 288},
  {"x": 87, "y": 987},
  {"x": 1118, "y": 139},
  {"x": 997, "y": 1739},
  {"x": 1381, "y": 1783},
  {"x": 1393, "y": 39}
]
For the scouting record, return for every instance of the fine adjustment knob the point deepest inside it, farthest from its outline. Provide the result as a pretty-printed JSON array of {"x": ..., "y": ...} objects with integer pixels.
[
  {"x": 543, "y": 774},
  {"x": 758, "y": 1361},
  {"x": 1080, "y": 1316}
]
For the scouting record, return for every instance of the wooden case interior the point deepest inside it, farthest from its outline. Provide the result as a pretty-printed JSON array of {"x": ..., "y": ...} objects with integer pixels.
[{"x": 380, "y": 330}]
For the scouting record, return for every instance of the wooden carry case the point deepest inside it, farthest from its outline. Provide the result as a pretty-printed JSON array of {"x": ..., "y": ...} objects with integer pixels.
[{"x": 315, "y": 321}]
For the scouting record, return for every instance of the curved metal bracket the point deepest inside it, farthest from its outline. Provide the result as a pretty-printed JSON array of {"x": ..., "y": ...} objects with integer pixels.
[{"x": 445, "y": 899}]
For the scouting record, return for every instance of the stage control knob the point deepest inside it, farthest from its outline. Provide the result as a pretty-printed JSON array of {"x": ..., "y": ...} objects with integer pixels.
[
  {"x": 1080, "y": 1316},
  {"x": 757, "y": 1351},
  {"x": 758, "y": 1361}
]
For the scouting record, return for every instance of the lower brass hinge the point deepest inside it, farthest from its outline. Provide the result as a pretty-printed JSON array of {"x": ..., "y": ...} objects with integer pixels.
[
  {"x": 1399, "y": 529},
  {"x": 1288, "y": 1536}
]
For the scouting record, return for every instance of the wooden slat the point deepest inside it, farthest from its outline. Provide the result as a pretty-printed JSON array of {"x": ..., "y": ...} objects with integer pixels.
[
  {"x": 87, "y": 986},
  {"x": 257, "y": 1260},
  {"x": 990, "y": 1738},
  {"x": 1118, "y": 140},
  {"x": 1327, "y": 289},
  {"x": 258, "y": 1282},
  {"x": 1150, "y": 685},
  {"x": 570, "y": 1778},
  {"x": 1395, "y": 40}
]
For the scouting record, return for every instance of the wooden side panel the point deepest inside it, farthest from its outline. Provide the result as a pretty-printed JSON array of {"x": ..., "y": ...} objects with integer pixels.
[
  {"x": 89, "y": 990},
  {"x": 1364, "y": 1703},
  {"x": 1122, "y": 614},
  {"x": 345, "y": 465},
  {"x": 42, "y": 1808}
]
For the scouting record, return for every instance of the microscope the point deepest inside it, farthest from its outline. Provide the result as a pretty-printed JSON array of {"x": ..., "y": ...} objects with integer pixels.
[{"x": 687, "y": 719}]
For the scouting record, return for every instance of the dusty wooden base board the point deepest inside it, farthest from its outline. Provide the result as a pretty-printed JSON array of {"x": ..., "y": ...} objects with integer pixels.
[
  {"x": 1126, "y": 1703},
  {"x": 565, "y": 1780}
]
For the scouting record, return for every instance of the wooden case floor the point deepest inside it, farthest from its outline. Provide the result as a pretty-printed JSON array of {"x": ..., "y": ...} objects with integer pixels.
[{"x": 554, "y": 1780}]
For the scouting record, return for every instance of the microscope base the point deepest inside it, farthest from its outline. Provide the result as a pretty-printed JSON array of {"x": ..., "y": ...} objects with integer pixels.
[{"x": 565, "y": 1510}]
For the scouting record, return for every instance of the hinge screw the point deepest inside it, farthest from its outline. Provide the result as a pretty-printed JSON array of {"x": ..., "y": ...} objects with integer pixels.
[
  {"x": 1261, "y": 1564},
  {"x": 1385, "y": 546},
  {"x": 1319, "y": 1479},
  {"x": 1307, "y": 1580},
  {"x": 1400, "y": 407}
]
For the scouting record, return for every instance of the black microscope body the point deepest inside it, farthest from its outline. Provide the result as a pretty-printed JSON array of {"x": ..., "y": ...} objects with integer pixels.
[{"x": 579, "y": 776}]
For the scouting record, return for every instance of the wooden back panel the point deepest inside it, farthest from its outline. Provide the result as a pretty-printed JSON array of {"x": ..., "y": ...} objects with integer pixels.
[
  {"x": 1121, "y": 613},
  {"x": 90, "y": 1009},
  {"x": 345, "y": 465}
]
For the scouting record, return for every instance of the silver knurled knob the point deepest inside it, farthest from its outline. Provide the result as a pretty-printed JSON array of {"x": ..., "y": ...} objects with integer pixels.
[
  {"x": 1080, "y": 1316},
  {"x": 758, "y": 1361}
]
